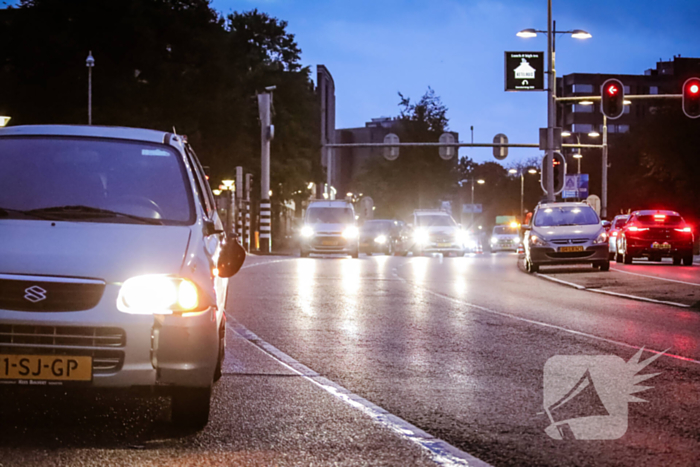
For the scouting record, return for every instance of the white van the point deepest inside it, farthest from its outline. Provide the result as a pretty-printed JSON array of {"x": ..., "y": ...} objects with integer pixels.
[
  {"x": 113, "y": 265},
  {"x": 329, "y": 228}
]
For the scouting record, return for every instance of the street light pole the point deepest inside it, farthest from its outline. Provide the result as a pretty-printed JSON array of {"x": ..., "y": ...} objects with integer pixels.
[
  {"x": 89, "y": 63},
  {"x": 471, "y": 224},
  {"x": 266, "y": 135},
  {"x": 551, "y": 107}
]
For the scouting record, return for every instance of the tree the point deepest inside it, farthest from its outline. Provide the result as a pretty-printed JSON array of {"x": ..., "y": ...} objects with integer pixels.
[
  {"x": 419, "y": 178},
  {"x": 165, "y": 64}
]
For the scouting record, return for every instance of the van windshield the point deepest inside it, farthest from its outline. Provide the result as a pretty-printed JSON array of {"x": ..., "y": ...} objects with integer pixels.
[
  {"x": 505, "y": 230},
  {"x": 328, "y": 215},
  {"x": 435, "y": 221},
  {"x": 87, "y": 178}
]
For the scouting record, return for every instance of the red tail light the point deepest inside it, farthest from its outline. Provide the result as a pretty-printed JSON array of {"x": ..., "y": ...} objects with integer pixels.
[
  {"x": 614, "y": 234},
  {"x": 634, "y": 228},
  {"x": 685, "y": 229}
]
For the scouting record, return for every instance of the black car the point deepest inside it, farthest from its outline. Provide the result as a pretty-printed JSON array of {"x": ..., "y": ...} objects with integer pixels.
[{"x": 380, "y": 236}]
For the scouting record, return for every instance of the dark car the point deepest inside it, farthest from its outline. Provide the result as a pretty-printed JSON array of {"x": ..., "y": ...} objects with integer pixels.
[
  {"x": 655, "y": 235},
  {"x": 380, "y": 236}
]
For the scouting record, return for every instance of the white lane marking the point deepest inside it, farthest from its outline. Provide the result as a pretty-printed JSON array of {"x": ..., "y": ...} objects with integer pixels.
[
  {"x": 267, "y": 262},
  {"x": 617, "y": 294},
  {"x": 441, "y": 452},
  {"x": 547, "y": 325},
  {"x": 656, "y": 277}
]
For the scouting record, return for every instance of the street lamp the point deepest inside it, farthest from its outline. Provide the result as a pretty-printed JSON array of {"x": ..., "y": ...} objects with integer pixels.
[
  {"x": 551, "y": 83},
  {"x": 89, "y": 63},
  {"x": 521, "y": 174},
  {"x": 4, "y": 121}
]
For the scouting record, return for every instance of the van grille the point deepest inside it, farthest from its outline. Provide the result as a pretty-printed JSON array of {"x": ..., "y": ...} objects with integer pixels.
[{"x": 40, "y": 294}]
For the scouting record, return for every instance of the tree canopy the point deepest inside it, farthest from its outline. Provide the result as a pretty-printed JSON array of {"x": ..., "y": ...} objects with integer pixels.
[{"x": 165, "y": 64}]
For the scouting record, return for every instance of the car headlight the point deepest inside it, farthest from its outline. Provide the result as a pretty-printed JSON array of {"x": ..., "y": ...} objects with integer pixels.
[
  {"x": 351, "y": 232},
  {"x": 421, "y": 236},
  {"x": 602, "y": 238},
  {"x": 307, "y": 231},
  {"x": 381, "y": 239},
  {"x": 535, "y": 240},
  {"x": 494, "y": 240},
  {"x": 158, "y": 294},
  {"x": 471, "y": 244},
  {"x": 461, "y": 237}
]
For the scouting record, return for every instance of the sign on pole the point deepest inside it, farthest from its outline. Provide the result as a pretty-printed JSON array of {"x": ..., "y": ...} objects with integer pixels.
[
  {"x": 447, "y": 152},
  {"x": 471, "y": 208},
  {"x": 556, "y": 138},
  {"x": 576, "y": 186},
  {"x": 594, "y": 202},
  {"x": 501, "y": 152},
  {"x": 391, "y": 153},
  {"x": 524, "y": 71}
]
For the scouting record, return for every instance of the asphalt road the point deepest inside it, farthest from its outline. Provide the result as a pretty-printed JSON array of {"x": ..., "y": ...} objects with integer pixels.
[{"x": 455, "y": 346}]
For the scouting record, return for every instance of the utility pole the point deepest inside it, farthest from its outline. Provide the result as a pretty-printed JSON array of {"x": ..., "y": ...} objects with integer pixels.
[
  {"x": 247, "y": 240},
  {"x": 266, "y": 135},
  {"x": 471, "y": 225},
  {"x": 89, "y": 63},
  {"x": 239, "y": 202},
  {"x": 551, "y": 108},
  {"x": 604, "y": 184}
]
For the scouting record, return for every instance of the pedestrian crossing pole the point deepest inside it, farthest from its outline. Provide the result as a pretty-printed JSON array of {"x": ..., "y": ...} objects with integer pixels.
[
  {"x": 266, "y": 135},
  {"x": 248, "y": 230},
  {"x": 239, "y": 202}
]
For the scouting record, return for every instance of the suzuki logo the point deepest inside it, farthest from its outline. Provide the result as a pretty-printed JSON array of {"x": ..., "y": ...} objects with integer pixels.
[{"x": 34, "y": 294}]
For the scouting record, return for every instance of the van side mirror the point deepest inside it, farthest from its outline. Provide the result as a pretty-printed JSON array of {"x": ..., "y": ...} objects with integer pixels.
[
  {"x": 231, "y": 258},
  {"x": 525, "y": 227},
  {"x": 210, "y": 229}
]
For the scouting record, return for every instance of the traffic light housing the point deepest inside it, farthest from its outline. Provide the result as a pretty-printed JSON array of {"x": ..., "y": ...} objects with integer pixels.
[
  {"x": 559, "y": 172},
  {"x": 612, "y": 98},
  {"x": 691, "y": 97}
]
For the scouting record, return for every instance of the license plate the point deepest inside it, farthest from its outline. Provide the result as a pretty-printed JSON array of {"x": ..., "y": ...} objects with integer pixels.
[
  {"x": 661, "y": 246},
  {"x": 364, "y": 244},
  {"x": 444, "y": 245},
  {"x": 329, "y": 243},
  {"x": 45, "y": 368},
  {"x": 570, "y": 249}
]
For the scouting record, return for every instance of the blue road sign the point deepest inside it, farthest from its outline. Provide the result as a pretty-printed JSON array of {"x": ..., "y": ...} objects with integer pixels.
[
  {"x": 471, "y": 208},
  {"x": 576, "y": 186}
]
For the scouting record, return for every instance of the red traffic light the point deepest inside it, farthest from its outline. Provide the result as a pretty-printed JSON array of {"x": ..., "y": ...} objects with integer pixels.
[
  {"x": 612, "y": 99},
  {"x": 691, "y": 97}
]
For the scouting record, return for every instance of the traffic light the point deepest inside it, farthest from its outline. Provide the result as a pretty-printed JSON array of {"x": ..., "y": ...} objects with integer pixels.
[
  {"x": 612, "y": 99},
  {"x": 559, "y": 172},
  {"x": 691, "y": 97}
]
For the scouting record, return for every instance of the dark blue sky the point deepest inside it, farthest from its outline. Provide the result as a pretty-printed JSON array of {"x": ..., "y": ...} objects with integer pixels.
[{"x": 376, "y": 48}]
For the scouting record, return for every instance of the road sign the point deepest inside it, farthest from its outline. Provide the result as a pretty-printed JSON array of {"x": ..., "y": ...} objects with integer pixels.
[
  {"x": 575, "y": 186},
  {"x": 391, "y": 153},
  {"x": 594, "y": 202},
  {"x": 556, "y": 139},
  {"x": 447, "y": 152},
  {"x": 558, "y": 172},
  {"x": 524, "y": 71},
  {"x": 500, "y": 153},
  {"x": 471, "y": 208}
]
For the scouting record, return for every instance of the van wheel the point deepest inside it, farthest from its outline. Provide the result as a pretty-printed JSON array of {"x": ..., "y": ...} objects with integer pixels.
[{"x": 190, "y": 407}]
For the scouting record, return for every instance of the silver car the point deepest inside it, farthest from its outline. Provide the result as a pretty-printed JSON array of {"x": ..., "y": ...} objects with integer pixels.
[
  {"x": 113, "y": 265},
  {"x": 565, "y": 233}
]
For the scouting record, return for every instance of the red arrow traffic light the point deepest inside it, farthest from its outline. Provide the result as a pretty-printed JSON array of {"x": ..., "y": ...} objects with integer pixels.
[
  {"x": 612, "y": 99},
  {"x": 691, "y": 97}
]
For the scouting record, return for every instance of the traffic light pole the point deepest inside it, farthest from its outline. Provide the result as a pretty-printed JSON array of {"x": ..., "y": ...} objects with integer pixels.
[
  {"x": 604, "y": 183},
  {"x": 551, "y": 107}
]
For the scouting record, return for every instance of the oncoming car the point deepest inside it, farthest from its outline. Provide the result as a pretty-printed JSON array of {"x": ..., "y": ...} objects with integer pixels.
[
  {"x": 565, "y": 233},
  {"x": 329, "y": 228},
  {"x": 435, "y": 231},
  {"x": 114, "y": 267},
  {"x": 505, "y": 238},
  {"x": 380, "y": 236}
]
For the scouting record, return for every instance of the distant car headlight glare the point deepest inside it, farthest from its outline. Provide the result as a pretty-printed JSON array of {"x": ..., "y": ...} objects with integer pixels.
[
  {"x": 494, "y": 240},
  {"x": 421, "y": 237},
  {"x": 381, "y": 239},
  {"x": 350, "y": 232},
  {"x": 307, "y": 231},
  {"x": 157, "y": 294}
]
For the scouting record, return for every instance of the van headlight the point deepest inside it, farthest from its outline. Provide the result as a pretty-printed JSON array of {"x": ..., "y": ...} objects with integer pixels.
[
  {"x": 307, "y": 231},
  {"x": 157, "y": 295},
  {"x": 350, "y": 232},
  {"x": 494, "y": 240},
  {"x": 381, "y": 239},
  {"x": 421, "y": 237}
]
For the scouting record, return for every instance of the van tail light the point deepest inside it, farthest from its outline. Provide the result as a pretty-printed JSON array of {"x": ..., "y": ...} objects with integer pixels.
[{"x": 685, "y": 230}]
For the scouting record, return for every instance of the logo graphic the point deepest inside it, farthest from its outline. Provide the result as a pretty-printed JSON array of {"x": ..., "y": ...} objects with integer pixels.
[
  {"x": 34, "y": 294},
  {"x": 586, "y": 396},
  {"x": 524, "y": 71}
]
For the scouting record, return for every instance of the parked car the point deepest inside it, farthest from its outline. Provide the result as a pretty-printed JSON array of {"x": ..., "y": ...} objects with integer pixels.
[
  {"x": 505, "y": 238},
  {"x": 434, "y": 231},
  {"x": 615, "y": 227},
  {"x": 329, "y": 228},
  {"x": 655, "y": 235},
  {"x": 114, "y": 269},
  {"x": 565, "y": 233},
  {"x": 380, "y": 236}
]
